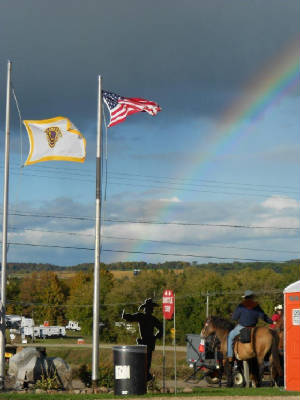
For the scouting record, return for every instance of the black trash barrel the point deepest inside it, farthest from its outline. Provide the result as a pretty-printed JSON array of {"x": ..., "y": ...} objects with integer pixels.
[{"x": 130, "y": 364}]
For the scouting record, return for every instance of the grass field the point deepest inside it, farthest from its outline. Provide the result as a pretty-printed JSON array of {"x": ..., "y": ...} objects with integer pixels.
[
  {"x": 205, "y": 393},
  {"x": 77, "y": 357},
  {"x": 83, "y": 356}
]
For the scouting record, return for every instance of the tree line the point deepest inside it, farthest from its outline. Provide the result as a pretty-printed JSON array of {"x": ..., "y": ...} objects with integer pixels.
[
  {"x": 45, "y": 296},
  {"x": 131, "y": 265}
]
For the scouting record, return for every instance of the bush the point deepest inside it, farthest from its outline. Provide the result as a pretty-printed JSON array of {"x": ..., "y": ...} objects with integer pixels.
[
  {"x": 48, "y": 382},
  {"x": 106, "y": 375}
]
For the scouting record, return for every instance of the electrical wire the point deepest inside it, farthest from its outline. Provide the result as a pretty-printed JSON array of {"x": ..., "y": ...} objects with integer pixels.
[
  {"x": 179, "y": 188},
  {"x": 142, "y": 252},
  {"x": 80, "y": 172},
  {"x": 156, "y": 241},
  {"x": 163, "y": 241},
  {"x": 152, "y": 222},
  {"x": 194, "y": 295}
]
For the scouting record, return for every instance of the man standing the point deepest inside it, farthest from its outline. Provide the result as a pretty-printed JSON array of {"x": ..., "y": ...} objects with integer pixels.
[{"x": 147, "y": 323}]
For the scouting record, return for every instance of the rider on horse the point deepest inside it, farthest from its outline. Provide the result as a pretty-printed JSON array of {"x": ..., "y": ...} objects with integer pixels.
[
  {"x": 277, "y": 317},
  {"x": 246, "y": 314}
]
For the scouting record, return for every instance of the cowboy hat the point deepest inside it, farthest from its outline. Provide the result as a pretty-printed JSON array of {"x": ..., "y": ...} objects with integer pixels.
[
  {"x": 278, "y": 307},
  {"x": 148, "y": 303},
  {"x": 248, "y": 293}
]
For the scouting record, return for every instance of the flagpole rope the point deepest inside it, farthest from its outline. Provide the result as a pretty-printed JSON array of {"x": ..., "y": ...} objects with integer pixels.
[
  {"x": 106, "y": 154},
  {"x": 20, "y": 175},
  {"x": 20, "y": 125}
]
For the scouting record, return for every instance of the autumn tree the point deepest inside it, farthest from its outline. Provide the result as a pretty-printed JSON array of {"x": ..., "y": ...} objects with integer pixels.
[
  {"x": 80, "y": 302},
  {"x": 43, "y": 296}
]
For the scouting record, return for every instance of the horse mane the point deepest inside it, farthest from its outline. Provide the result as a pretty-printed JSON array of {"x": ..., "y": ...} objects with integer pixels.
[{"x": 222, "y": 323}]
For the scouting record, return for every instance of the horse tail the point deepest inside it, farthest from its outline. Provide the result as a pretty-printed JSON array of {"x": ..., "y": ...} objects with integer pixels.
[{"x": 275, "y": 352}]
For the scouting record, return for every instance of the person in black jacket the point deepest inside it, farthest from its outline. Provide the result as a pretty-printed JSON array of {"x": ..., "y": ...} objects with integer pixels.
[
  {"x": 147, "y": 323},
  {"x": 246, "y": 314}
]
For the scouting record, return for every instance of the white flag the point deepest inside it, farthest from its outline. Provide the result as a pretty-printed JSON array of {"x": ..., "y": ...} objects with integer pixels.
[{"x": 54, "y": 139}]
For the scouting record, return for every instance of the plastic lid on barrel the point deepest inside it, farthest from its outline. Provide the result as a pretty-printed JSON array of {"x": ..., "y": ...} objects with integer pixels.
[{"x": 141, "y": 348}]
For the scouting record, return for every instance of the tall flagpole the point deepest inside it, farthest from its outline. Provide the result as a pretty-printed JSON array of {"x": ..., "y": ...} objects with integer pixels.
[
  {"x": 4, "y": 233},
  {"x": 95, "y": 360}
]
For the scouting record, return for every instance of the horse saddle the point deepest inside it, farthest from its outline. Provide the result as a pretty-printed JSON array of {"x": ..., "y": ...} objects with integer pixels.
[{"x": 245, "y": 335}]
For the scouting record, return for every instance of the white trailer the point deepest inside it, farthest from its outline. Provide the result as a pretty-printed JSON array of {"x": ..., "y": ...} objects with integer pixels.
[
  {"x": 27, "y": 322},
  {"x": 52, "y": 331},
  {"x": 43, "y": 331},
  {"x": 73, "y": 326}
]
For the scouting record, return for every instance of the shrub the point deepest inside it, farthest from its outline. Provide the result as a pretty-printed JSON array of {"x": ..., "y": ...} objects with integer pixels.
[{"x": 106, "y": 375}]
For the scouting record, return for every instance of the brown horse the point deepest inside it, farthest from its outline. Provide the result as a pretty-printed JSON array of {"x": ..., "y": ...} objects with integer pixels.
[{"x": 264, "y": 342}]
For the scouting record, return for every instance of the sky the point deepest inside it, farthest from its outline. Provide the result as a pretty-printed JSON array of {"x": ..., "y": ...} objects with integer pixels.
[{"x": 213, "y": 177}]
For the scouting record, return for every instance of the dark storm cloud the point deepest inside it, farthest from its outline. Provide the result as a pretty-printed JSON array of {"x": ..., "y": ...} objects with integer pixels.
[{"x": 172, "y": 51}]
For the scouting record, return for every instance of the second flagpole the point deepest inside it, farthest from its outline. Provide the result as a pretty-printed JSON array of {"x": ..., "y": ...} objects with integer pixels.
[
  {"x": 95, "y": 356},
  {"x": 4, "y": 232}
]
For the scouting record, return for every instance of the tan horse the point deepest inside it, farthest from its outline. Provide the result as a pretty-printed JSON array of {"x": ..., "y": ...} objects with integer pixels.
[{"x": 264, "y": 342}]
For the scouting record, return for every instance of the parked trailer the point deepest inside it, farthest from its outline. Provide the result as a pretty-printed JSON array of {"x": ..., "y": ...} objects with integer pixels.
[
  {"x": 43, "y": 331},
  {"x": 73, "y": 326}
]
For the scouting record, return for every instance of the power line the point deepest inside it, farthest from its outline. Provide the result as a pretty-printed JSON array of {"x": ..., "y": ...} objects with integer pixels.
[
  {"x": 179, "y": 188},
  {"x": 153, "y": 222},
  {"x": 141, "y": 252},
  {"x": 188, "y": 255},
  {"x": 201, "y": 224},
  {"x": 204, "y": 180},
  {"x": 247, "y": 187},
  {"x": 196, "y": 294},
  {"x": 158, "y": 241},
  {"x": 81, "y": 172},
  {"x": 189, "y": 190}
]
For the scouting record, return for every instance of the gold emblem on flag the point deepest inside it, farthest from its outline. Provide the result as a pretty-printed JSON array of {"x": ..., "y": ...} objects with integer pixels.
[{"x": 53, "y": 134}]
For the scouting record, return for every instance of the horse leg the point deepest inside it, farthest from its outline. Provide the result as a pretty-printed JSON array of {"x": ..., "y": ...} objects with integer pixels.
[
  {"x": 252, "y": 363},
  {"x": 228, "y": 371},
  {"x": 260, "y": 371},
  {"x": 273, "y": 371},
  {"x": 276, "y": 367}
]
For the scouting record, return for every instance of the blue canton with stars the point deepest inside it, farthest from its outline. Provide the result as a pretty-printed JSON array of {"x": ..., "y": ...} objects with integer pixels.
[{"x": 111, "y": 99}]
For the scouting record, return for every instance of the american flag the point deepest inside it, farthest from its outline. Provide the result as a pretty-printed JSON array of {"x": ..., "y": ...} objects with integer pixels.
[{"x": 119, "y": 107}]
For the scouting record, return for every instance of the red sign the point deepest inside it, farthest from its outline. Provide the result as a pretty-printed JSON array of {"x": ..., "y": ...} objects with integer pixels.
[{"x": 168, "y": 304}]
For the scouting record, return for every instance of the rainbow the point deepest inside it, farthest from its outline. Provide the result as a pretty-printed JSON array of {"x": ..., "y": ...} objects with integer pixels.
[{"x": 274, "y": 81}]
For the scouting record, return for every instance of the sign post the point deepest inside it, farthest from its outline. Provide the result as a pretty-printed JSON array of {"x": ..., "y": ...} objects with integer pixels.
[{"x": 168, "y": 305}]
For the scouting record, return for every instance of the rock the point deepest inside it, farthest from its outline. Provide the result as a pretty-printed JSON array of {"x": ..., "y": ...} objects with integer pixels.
[
  {"x": 22, "y": 366},
  {"x": 39, "y": 391},
  {"x": 30, "y": 365},
  {"x": 103, "y": 389},
  {"x": 187, "y": 390},
  {"x": 78, "y": 384},
  {"x": 76, "y": 391}
]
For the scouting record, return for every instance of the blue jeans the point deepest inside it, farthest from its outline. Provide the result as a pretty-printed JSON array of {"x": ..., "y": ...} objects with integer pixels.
[{"x": 232, "y": 334}]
